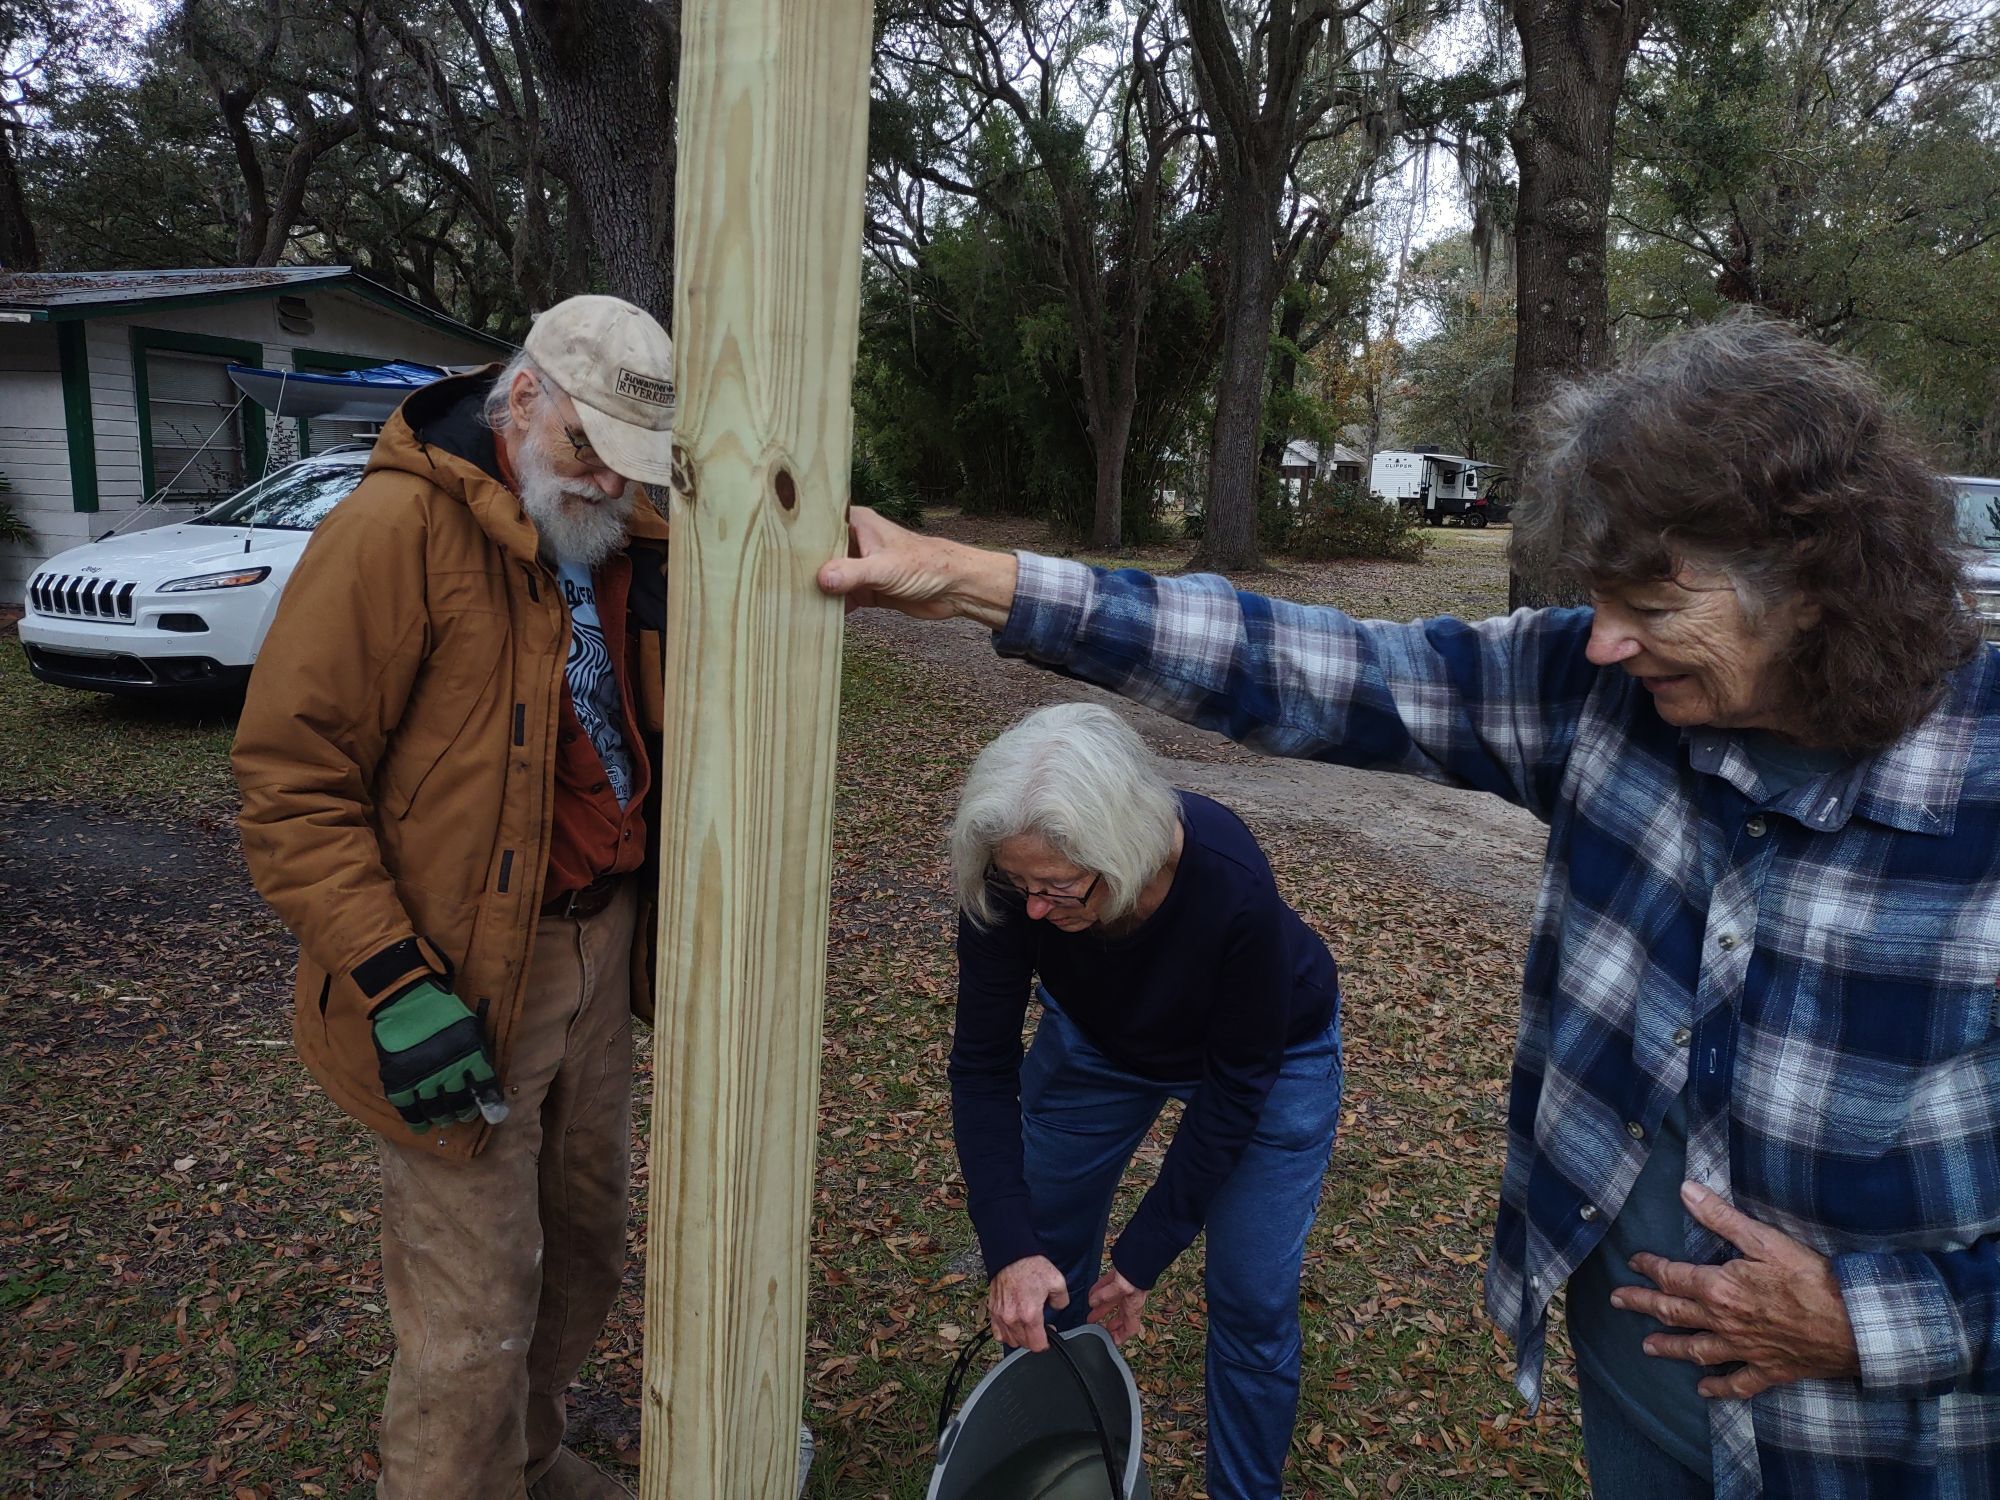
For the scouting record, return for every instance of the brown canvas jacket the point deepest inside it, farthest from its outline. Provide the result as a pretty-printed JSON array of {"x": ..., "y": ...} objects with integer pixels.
[{"x": 396, "y": 752}]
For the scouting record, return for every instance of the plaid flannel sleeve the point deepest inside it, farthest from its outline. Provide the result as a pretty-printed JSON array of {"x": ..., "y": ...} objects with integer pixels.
[
  {"x": 1925, "y": 1321},
  {"x": 1493, "y": 705}
]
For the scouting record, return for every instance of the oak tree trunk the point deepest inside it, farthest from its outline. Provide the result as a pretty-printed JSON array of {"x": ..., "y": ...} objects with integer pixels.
[
  {"x": 609, "y": 72},
  {"x": 19, "y": 249},
  {"x": 1107, "y": 516},
  {"x": 1229, "y": 533},
  {"x": 1252, "y": 96},
  {"x": 1284, "y": 380},
  {"x": 1573, "y": 54}
]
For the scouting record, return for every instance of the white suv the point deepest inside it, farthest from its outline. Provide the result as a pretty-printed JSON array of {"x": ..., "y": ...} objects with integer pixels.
[{"x": 181, "y": 610}]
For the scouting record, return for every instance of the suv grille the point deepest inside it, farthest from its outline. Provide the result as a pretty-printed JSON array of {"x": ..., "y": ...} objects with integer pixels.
[{"x": 84, "y": 597}]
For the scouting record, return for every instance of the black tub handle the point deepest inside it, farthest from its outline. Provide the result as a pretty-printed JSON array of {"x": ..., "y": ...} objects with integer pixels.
[
  {"x": 956, "y": 1379},
  {"x": 1061, "y": 1346}
]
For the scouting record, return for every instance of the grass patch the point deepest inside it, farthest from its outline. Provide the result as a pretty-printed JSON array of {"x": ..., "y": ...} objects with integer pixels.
[
  {"x": 1462, "y": 573},
  {"x": 112, "y": 752}
]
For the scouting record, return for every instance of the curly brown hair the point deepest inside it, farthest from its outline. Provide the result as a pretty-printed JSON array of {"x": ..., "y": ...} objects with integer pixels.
[{"x": 1748, "y": 448}]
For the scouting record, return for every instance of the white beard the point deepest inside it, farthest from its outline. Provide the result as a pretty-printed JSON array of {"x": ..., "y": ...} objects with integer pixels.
[{"x": 577, "y": 523}]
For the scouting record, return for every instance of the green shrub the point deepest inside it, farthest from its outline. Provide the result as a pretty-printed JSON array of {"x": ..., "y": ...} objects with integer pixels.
[
  {"x": 12, "y": 527},
  {"x": 1277, "y": 517},
  {"x": 1339, "y": 520},
  {"x": 872, "y": 484}
]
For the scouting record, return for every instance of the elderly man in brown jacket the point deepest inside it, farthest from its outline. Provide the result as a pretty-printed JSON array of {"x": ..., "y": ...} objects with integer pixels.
[{"x": 449, "y": 765}]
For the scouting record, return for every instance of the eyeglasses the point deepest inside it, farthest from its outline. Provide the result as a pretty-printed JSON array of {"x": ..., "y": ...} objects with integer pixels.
[
  {"x": 1007, "y": 889},
  {"x": 579, "y": 442}
]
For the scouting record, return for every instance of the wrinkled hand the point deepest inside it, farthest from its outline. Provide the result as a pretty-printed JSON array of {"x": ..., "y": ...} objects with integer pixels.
[
  {"x": 1778, "y": 1311},
  {"x": 1019, "y": 1299},
  {"x": 433, "y": 1059},
  {"x": 1118, "y": 1305},
  {"x": 890, "y": 568}
]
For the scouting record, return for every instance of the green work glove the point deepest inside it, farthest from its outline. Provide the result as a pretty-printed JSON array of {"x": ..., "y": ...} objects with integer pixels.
[{"x": 435, "y": 1066}]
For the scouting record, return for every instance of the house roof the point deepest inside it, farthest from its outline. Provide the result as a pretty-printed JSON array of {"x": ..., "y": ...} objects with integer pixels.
[
  {"x": 1301, "y": 452},
  {"x": 64, "y": 296}
]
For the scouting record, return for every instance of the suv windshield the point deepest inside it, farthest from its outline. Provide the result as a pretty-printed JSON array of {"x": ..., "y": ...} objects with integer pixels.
[
  {"x": 1979, "y": 518},
  {"x": 294, "y": 499}
]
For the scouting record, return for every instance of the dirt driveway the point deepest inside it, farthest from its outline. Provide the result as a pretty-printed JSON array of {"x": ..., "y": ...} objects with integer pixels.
[{"x": 1463, "y": 843}]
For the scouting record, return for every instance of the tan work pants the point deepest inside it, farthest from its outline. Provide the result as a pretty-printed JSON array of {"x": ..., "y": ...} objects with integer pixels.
[{"x": 501, "y": 1270}]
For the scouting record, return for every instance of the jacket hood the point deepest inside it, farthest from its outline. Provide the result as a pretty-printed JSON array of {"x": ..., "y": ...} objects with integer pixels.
[{"x": 439, "y": 436}]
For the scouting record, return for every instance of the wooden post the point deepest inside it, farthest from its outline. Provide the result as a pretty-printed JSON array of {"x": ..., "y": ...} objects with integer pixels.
[{"x": 773, "y": 139}]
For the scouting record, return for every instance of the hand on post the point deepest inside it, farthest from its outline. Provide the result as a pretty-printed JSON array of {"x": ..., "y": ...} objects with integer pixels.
[
  {"x": 1118, "y": 1305},
  {"x": 888, "y": 567},
  {"x": 433, "y": 1059},
  {"x": 1019, "y": 1300},
  {"x": 1777, "y": 1313}
]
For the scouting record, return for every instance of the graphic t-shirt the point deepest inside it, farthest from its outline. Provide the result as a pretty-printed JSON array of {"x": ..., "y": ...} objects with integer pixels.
[{"x": 593, "y": 686}]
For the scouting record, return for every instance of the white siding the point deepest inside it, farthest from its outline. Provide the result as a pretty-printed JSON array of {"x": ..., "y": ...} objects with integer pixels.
[
  {"x": 17, "y": 565},
  {"x": 116, "y": 418},
  {"x": 343, "y": 323},
  {"x": 34, "y": 444}
]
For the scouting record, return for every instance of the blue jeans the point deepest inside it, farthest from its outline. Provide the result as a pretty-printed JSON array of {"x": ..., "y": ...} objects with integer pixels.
[
  {"x": 1081, "y": 1119},
  {"x": 1625, "y": 1464}
]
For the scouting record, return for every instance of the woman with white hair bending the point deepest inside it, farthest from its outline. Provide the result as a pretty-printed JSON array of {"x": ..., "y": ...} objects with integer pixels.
[{"x": 1167, "y": 965}]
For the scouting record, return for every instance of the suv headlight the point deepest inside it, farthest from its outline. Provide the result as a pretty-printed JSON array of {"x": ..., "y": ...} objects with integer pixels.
[{"x": 241, "y": 578}]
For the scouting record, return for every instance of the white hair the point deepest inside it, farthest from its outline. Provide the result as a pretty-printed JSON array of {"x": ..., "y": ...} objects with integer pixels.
[
  {"x": 1077, "y": 777},
  {"x": 494, "y": 412}
]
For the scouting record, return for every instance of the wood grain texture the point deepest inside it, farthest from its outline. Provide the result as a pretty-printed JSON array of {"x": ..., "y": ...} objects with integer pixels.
[{"x": 773, "y": 137}]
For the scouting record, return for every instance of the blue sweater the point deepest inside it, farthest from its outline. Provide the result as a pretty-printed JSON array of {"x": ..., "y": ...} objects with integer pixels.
[{"x": 1208, "y": 992}]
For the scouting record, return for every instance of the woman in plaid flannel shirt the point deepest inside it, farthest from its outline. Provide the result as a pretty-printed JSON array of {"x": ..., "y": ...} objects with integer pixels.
[{"x": 1754, "y": 1123}]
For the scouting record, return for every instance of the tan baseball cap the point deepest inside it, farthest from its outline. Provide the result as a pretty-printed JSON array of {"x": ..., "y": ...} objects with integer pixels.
[{"x": 616, "y": 363}]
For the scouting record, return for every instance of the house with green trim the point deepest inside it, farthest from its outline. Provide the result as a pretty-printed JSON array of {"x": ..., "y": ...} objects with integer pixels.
[{"x": 114, "y": 396}]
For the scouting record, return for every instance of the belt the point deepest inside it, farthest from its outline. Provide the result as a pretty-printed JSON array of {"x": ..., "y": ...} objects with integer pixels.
[{"x": 587, "y": 902}]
